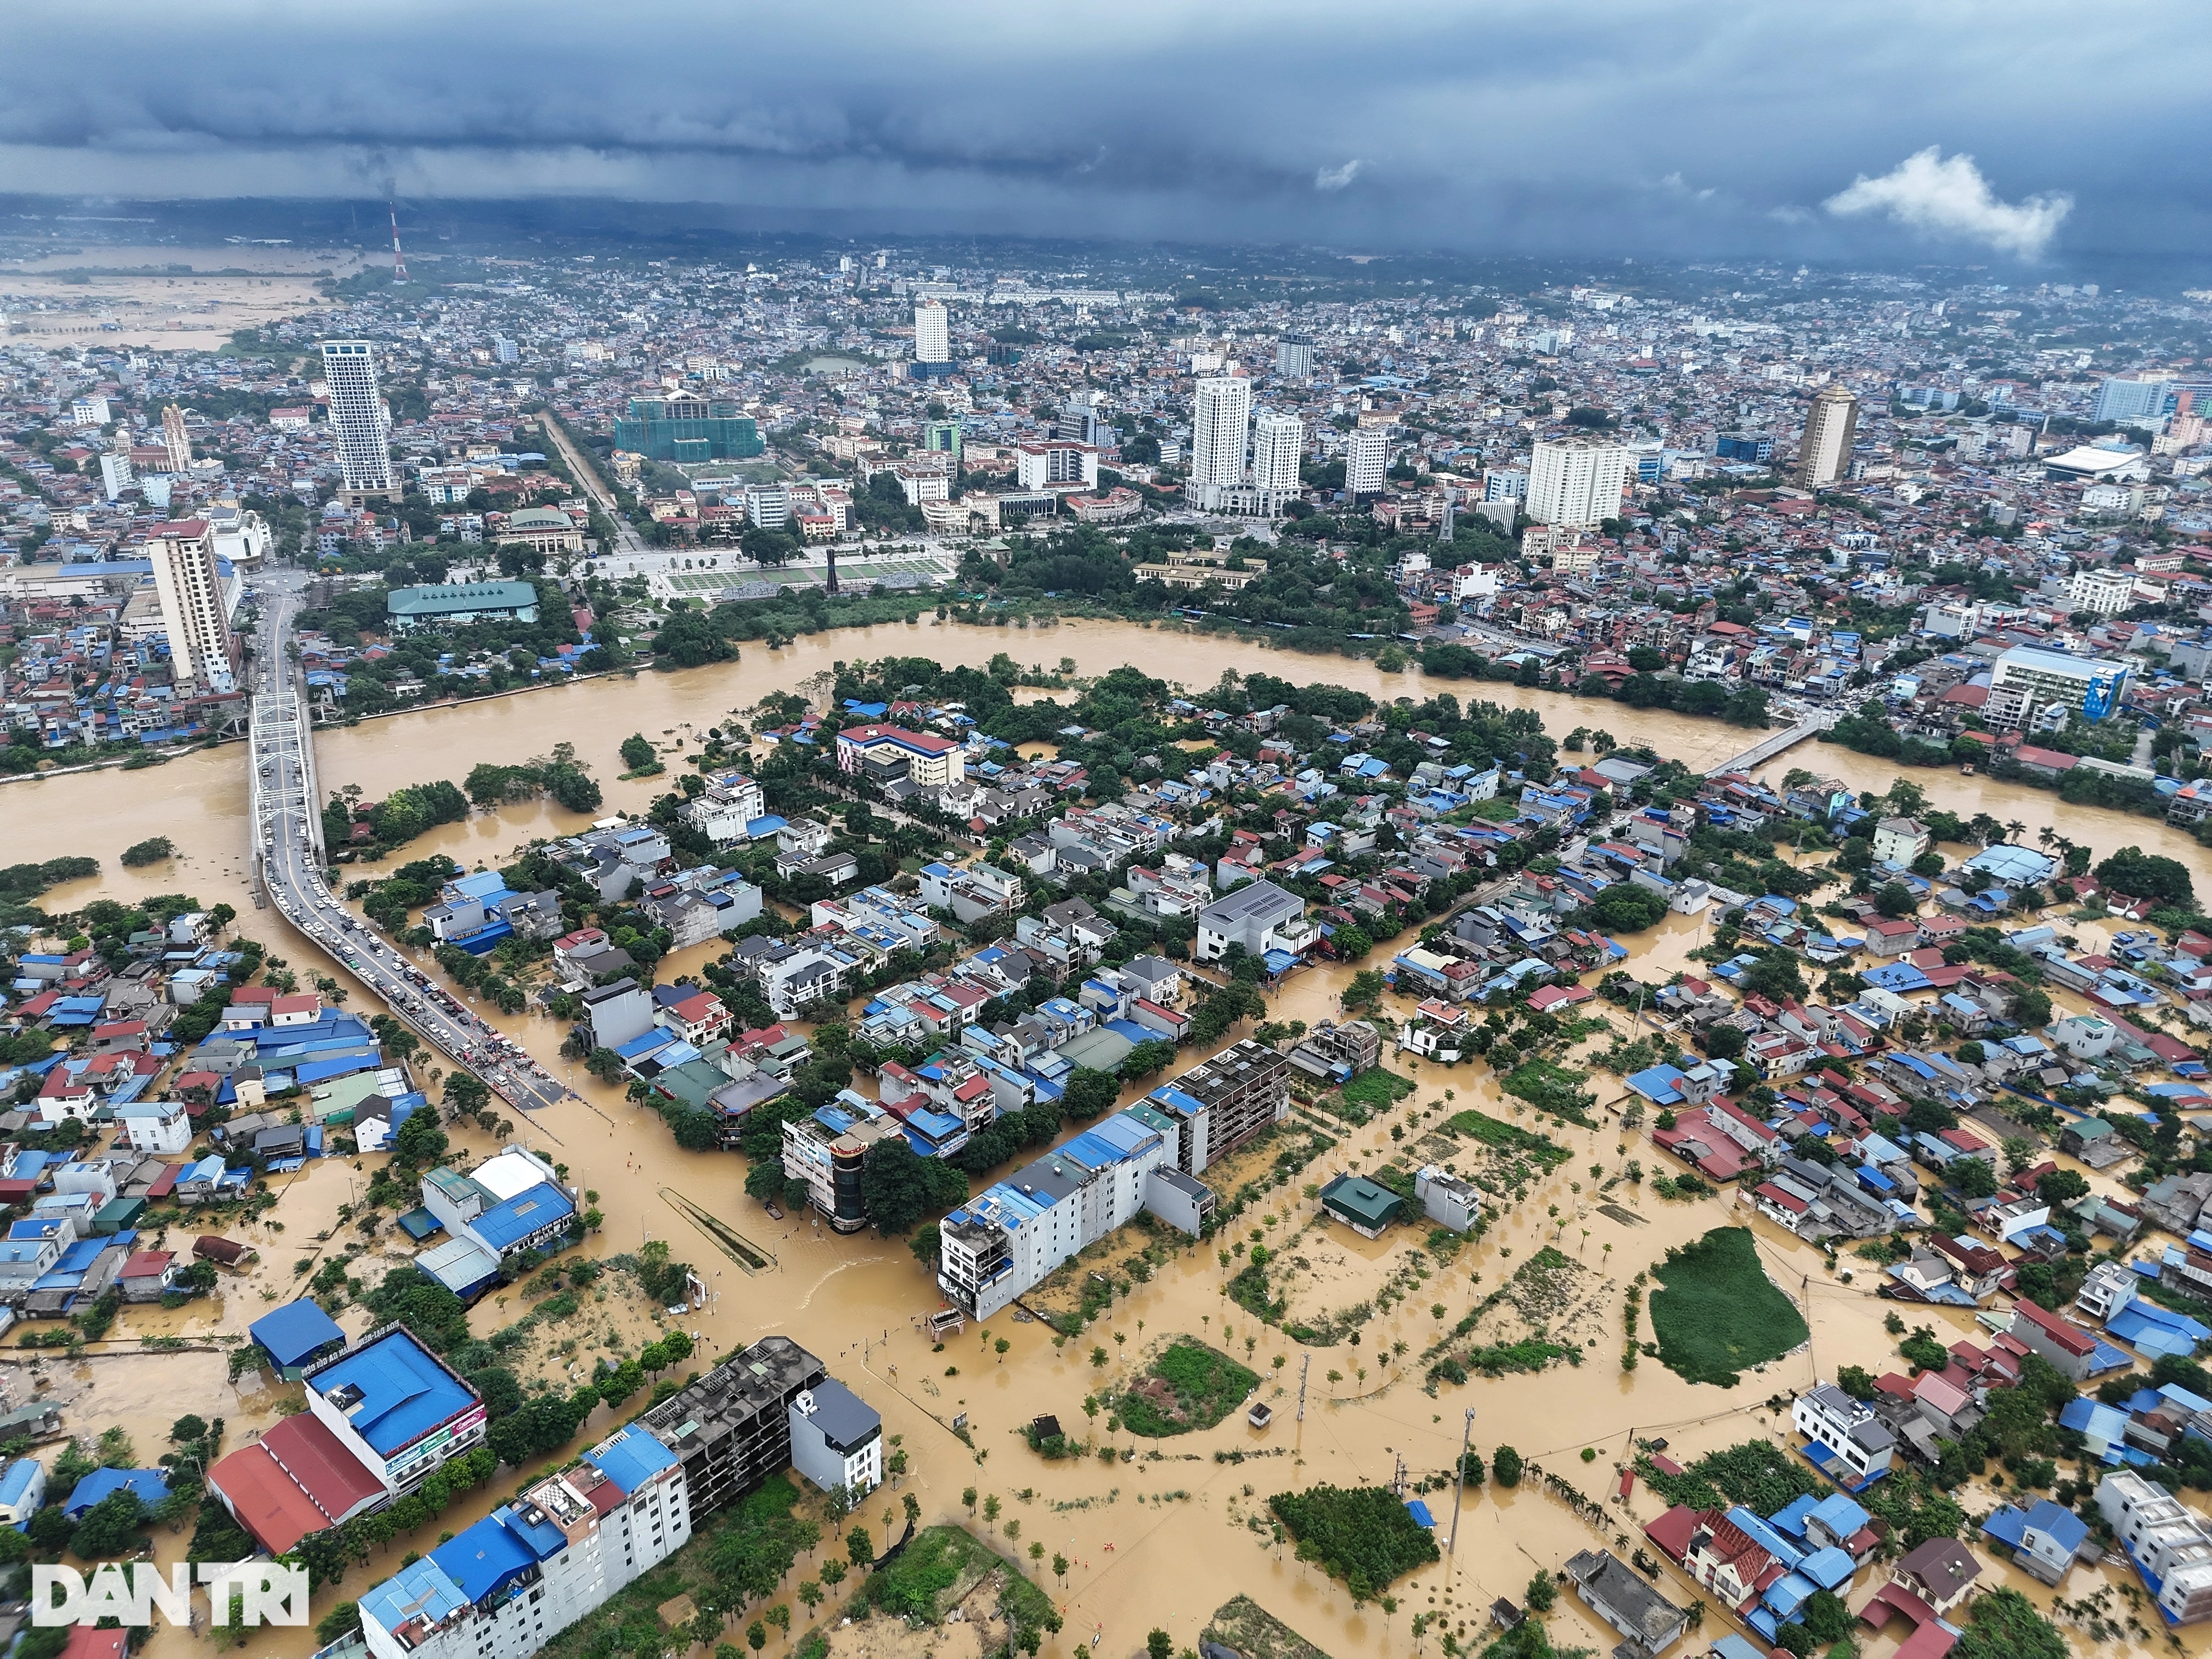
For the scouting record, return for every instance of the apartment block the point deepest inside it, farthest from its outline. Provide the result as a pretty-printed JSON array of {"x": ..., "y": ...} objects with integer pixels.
[{"x": 732, "y": 1428}]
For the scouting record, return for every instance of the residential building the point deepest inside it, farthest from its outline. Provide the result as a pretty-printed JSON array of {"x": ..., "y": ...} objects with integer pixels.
[
  {"x": 1446, "y": 1199},
  {"x": 1279, "y": 446},
  {"x": 827, "y": 1152},
  {"x": 1294, "y": 358},
  {"x": 1847, "y": 1430},
  {"x": 1221, "y": 418},
  {"x": 1824, "y": 455},
  {"x": 511, "y": 1202},
  {"x": 195, "y": 610},
  {"x": 1051, "y": 465},
  {"x": 1366, "y": 461},
  {"x": 1618, "y": 1594},
  {"x": 688, "y": 428},
  {"x": 2169, "y": 1543},
  {"x": 1262, "y": 917},
  {"x": 836, "y": 1439},
  {"x": 1220, "y": 1103},
  {"x": 1576, "y": 481},
  {"x": 618, "y": 1012},
  {"x": 1900, "y": 841},
  {"x": 933, "y": 333},
  {"x": 732, "y": 1428},
  {"x": 507, "y": 1585},
  {"x": 360, "y": 427},
  {"x": 397, "y": 1407},
  {"x": 2102, "y": 589},
  {"x": 887, "y": 753}
]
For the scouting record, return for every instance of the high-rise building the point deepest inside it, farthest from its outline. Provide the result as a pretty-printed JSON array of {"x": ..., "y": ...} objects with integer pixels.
[
  {"x": 507, "y": 351},
  {"x": 943, "y": 437},
  {"x": 933, "y": 333},
  {"x": 1577, "y": 480},
  {"x": 687, "y": 428},
  {"x": 1278, "y": 444},
  {"x": 2125, "y": 398},
  {"x": 359, "y": 426},
  {"x": 116, "y": 474},
  {"x": 203, "y": 652},
  {"x": 1293, "y": 359},
  {"x": 1825, "y": 452},
  {"x": 175, "y": 440},
  {"x": 1366, "y": 461},
  {"x": 1220, "y": 421}
]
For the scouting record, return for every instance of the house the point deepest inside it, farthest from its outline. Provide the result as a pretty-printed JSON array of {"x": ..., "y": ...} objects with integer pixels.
[
  {"x": 1618, "y": 1594},
  {"x": 1446, "y": 1199},
  {"x": 1362, "y": 1205},
  {"x": 2044, "y": 1539},
  {"x": 2169, "y": 1543},
  {"x": 1900, "y": 841},
  {"x": 147, "y": 1275},
  {"x": 1940, "y": 1572},
  {"x": 836, "y": 1439},
  {"x": 1845, "y": 1431},
  {"x": 156, "y": 1125},
  {"x": 1262, "y": 917},
  {"x": 396, "y": 1406},
  {"x": 2073, "y": 1351},
  {"x": 295, "y": 1336}
]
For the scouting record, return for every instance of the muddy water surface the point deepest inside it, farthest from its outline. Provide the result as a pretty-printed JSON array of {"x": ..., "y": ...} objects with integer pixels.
[{"x": 1152, "y": 1542}]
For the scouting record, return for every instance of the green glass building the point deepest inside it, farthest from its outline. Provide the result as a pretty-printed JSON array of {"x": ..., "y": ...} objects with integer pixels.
[{"x": 687, "y": 429}]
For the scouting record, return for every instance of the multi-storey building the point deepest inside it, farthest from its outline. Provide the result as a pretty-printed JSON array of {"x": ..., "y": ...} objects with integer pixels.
[
  {"x": 2025, "y": 679},
  {"x": 1576, "y": 481},
  {"x": 361, "y": 429},
  {"x": 1053, "y": 465},
  {"x": 1366, "y": 461},
  {"x": 1221, "y": 419},
  {"x": 1222, "y": 1102},
  {"x": 507, "y": 1585},
  {"x": 195, "y": 608},
  {"x": 2170, "y": 1543},
  {"x": 396, "y": 1406},
  {"x": 1824, "y": 451},
  {"x": 933, "y": 333},
  {"x": 732, "y": 1428}
]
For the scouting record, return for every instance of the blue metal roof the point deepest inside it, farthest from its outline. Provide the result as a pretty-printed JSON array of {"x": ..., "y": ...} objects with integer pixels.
[
  {"x": 295, "y": 1331},
  {"x": 149, "y": 1486},
  {"x": 526, "y": 1213},
  {"x": 630, "y": 1458},
  {"x": 485, "y": 1557},
  {"x": 405, "y": 1392}
]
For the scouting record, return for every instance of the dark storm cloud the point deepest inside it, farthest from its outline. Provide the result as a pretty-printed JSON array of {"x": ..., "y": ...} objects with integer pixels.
[{"x": 1635, "y": 126}]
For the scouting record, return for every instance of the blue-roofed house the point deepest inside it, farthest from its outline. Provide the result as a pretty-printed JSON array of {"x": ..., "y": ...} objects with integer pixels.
[
  {"x": 397, "y": 1407},
  {"x": 2044, "y": 1539},
  {"x": 296, "y": 1336},
  {"x": 511, "y": 1202},
  {"x": 151, "y": 1487},
  {"x": 23, "y": 1490}
]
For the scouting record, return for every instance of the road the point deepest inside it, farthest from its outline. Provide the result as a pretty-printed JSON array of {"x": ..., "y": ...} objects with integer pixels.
[
  {"x": 627, "y": 540},
  {"x": 288, "y": 831}
]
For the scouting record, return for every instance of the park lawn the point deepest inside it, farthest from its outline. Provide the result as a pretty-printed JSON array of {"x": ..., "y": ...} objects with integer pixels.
[
  {"x": 936, "y": 1572},
  {"x": 1508, "y": 1137},
  {"x": 1377, "y": 1090},
  {"x": 1190, "y": 1386},
  {"x": 1718, "y": 1314}
]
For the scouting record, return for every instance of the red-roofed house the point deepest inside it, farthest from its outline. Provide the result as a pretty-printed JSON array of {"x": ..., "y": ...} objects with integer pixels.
[
  {"x": 297, "y": 1479},
  {"x": 2068, "y": 1348},
  {"x": 147, "y": 1275}
]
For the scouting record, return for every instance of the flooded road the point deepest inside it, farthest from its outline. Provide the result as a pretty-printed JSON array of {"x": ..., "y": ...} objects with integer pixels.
[{"x": 1154, "y": 1540}]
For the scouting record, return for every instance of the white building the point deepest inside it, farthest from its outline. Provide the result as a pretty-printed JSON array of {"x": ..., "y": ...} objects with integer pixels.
[
  {"x": 1294, "y": 360},
  {"x": 1848, "y": 1430},
  {"x": 723, "y": 813},
  {"x": 1824, "y": 451},
  {"x": 2107, "y": 591},
  {"x": 1221, "y": 418},
  {"x": 1278, "y": 445},
  {"x": 1366, "y": 461},
  {"x": 507, "y": 1585},
  {"x": 933, "y": 333},
  {"x": 2167, "y": 1541},
  {"x": 1001, "y": 1243},
  {"x": 836, "y": 1439},
  {"x": 156, "y": 1126},
  {"x": 2025, "y": 678},
  {"x": 361, "y": 429},
  {"x": 1576, "y": 481},
  {"x": 195, "y": 610},
  {"x": 1055, "y": 464},
  {"x": 176, "y": 443},
  {"x": 116, "y": 474},
  {"x": 1260, "y": 916}
]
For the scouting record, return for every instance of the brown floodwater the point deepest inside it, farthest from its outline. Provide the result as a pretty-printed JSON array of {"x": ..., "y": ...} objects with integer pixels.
[{"x": 1152, "y": 1542}]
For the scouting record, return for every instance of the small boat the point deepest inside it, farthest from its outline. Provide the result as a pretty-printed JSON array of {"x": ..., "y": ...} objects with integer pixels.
[
  {"x": 774, "y": 1210},
  {"x": 1966, "y": 768}
]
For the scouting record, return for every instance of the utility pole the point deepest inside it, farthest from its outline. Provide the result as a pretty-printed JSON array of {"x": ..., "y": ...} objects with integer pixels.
[
  {"x": 1459, "y": 1477},
  {"x": 1304, "y": 1365}
]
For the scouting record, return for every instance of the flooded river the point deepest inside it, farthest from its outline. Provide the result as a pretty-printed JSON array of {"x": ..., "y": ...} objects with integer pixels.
[{"x": 1152, "y": 1542}]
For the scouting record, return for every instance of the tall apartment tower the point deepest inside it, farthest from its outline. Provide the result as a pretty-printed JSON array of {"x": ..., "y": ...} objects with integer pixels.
[
  {"x": 1366, "y": 461},
  {"x": 1825, "y": 454},
  {"x": 1293, "y": 359},
  {"x": 1278, "y": 444},
  {"x": 1577, "y": 480},
  {"x": 358, "y": 423},
  {"x": 203, "y": 651},
  {"x": 176, "y": 439},
  {"x": 933, "y": 333},
  {"x": 1221, "y": 421}
]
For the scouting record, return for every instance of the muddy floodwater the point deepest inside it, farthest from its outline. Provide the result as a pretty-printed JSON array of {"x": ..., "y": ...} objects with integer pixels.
[{"x": 1167, "y": 1536}]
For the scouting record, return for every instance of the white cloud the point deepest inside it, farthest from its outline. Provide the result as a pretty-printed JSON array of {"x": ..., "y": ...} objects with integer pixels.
[
  {"x": 1335, "y": 179},
  {"x": 1931, "y": 193}
]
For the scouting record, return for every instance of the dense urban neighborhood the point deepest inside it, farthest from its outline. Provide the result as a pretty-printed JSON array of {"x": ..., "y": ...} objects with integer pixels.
[{"x": 1593, "y": 871}]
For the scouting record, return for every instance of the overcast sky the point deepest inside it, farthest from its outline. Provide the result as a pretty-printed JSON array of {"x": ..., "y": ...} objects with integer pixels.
[{"x": 2013, "y": 132}]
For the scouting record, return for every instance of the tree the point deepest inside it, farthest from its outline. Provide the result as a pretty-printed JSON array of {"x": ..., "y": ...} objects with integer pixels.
[
  {"x": 1929, "y": 864},
  {"x": 1894, "y": 899},
  {"x": 1147, "y": 1059},
  {"x": 899, "y": 1186},
  {"x": 1973, "y": 1177},
  {"x": 2142, "y": 875},
  {"x": 1365, "y": 990},
  {"x": 1542, "y": 1593},
  {"x": 857, "y": 1547},
  {"x": 1351, "y": 943},
  {"x": 109, "y": 1529},
  {"x": 1089, "y": 1093},
  {"x": 420, "y": 1141},
  {"x": 1624, "y": 907},
  {"x": 2062, "y": 1186},
  {"x": 2002, "y": 1624},
  {"x": 1159, "y": 1644},
  {"x": 637, "y": 752},
  {"x": 1505, "y": 1467}
]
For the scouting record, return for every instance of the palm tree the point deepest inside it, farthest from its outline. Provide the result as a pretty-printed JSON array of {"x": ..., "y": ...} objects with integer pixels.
[{"x": 2015, "y": 830}]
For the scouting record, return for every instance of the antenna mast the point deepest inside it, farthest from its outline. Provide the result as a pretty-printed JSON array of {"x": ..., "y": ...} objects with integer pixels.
[{"x": 398, "y": 260}]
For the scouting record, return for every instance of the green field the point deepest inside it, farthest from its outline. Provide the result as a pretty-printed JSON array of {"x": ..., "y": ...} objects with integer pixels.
[
  {"x": 1190, "y": 1386},
  {"x": 1716, "y": 1313}
]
